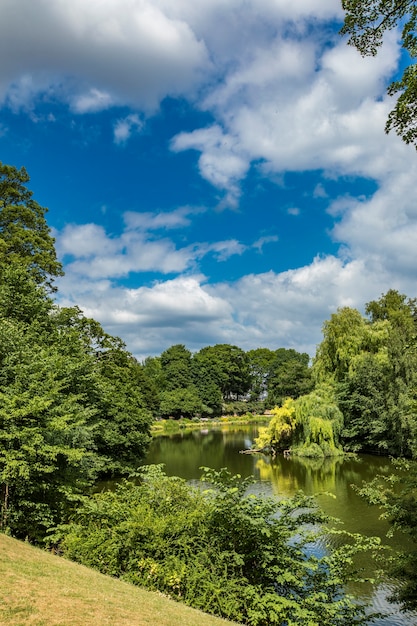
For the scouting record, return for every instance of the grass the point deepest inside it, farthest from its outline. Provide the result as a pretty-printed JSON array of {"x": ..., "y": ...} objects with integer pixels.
[
  {"x": 169, "y": 426},
  {"x": 40, "y": 589}
]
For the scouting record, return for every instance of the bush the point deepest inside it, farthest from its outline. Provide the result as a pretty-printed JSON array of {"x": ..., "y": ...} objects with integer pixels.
[{"x": 233, "y": 554}]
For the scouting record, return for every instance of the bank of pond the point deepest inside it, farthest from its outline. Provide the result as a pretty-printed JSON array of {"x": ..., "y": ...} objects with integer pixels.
[{"x": 279, "y": 480}]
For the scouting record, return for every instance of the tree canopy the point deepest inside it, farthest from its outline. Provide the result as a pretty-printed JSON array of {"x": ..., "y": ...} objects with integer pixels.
[
  {"x": 24, "y": 233},
  {"x": 366, "y": 21},
  {"x": 73, "y": 401}
]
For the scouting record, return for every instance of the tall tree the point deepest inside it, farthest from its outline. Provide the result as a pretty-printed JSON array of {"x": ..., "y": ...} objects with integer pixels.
[
  {"x": 24, "y": 233},
  {"x": 344, "y": 337},
  {"x": 230, "y": 369},
  {"x": 366, "y": 21},
  {"x": 289, "y": 376},
  {"x": 176, "y": 367},
  {"x": 260, "y": 361}
]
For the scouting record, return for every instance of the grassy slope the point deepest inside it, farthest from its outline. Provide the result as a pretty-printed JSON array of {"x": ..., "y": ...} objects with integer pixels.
[{"x": 39, "y": 589}]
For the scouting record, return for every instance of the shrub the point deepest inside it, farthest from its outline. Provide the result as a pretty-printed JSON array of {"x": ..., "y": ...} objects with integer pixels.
[{"x": 218, "y": 548}]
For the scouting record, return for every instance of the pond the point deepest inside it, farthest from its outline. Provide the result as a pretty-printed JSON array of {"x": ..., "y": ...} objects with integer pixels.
[{"x": 184, "y": 453}]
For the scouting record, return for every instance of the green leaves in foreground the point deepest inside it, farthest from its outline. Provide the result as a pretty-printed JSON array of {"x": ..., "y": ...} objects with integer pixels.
[
  {"x": 396, "y": 494},
  {"x": 218, "y": 548}
]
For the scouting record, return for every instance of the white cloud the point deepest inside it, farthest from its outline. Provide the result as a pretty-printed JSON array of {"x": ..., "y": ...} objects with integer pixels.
[
  {"x": 221, "y": 162},
  {"x": 262, "y": 241},
  {"x": 94, "y": 53},
  {"x": 91, "y": 253},
  {"x": 124, "y": 128},
  {"x": 286, "y": 94},
  {"x": 270, "y": 309},
  {"x": 383, "y": 228},
  {"x": 92, "y": 101},
  {"x": 147, "y": 221}
]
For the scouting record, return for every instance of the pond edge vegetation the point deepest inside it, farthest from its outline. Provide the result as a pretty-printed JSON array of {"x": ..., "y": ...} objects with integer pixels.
[{"x": 75, "y": 406}]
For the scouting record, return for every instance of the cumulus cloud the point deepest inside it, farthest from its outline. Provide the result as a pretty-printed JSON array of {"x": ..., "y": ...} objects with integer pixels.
[
  {"x": 283, "y": 96},
  {"x": 119, "y": 51},
  {"x": 89, "y": 251},
  {"x": 269, "y": 309},
  {"x": 222, "y": 162}
]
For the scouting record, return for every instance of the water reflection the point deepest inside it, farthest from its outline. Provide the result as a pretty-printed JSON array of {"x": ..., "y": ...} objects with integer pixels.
[{"x": 329, "y": 480}]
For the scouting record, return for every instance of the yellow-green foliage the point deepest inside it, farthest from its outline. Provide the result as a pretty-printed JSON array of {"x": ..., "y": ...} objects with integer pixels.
[
  {"x": 310, "y": 425},
  {"x": 281, "y": 428}
]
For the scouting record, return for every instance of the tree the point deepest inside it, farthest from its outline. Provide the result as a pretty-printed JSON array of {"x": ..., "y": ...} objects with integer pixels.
[
  {"x": 113, "y": 390},
  {"x": 366, "y": 21},
  {"x": 310, "y": 425},
  {"x": 260, "y": 361},
  {"x": 180, "y": 403},
  {"x": 47, "y": 446},
  {"x": 24, "y": 233},
  {"x": 289, "y": 376},
  {"x": 372, "y": 365},
  {"x": 229, "y": 369},
  {"x": 176, "y": 367},
  {"x": 362, "y": 399},
  {"x": 72, "y": 399}
]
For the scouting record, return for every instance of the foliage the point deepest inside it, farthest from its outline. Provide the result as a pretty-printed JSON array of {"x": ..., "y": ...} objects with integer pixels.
[
  {"x": 281, "y": 429},
  {"x": 24, "y": 234},
  {"x": 289, "y": 376},
  {"x": 344, "y": 336},
  {"x": 180, "y": 403},
  {"x": 176, "y": 367},
  {"x": 222, "y": 549},
  {"x": 366, "y": 22},
  {"x": 71, "y": 401},
  {"x": 309, "y": 426},
  {"x": 372, "y": 364},
  {"x": 228, "y": 368},
  {"x": 45, "y": 441},
  {"x": 260, "y": 361},
  {"x": 397, "y": 495}
]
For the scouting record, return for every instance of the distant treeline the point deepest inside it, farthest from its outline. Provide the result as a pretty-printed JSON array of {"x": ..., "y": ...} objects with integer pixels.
[{"x": 224, "y": 379}]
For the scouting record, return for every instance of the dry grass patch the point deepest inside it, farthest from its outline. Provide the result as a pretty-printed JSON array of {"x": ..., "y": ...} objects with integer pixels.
[{"x": 39, "y": 589}]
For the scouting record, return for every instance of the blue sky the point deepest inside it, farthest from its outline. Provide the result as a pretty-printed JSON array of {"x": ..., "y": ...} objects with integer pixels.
[{"x": 215, "y": 171}]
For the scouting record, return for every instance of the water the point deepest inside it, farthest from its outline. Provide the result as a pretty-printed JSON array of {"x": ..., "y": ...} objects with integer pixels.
[{"x": 184, "y": 453}]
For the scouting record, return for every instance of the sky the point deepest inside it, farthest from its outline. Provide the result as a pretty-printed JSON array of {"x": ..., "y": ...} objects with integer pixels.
[{"x": 214, "y": 171}]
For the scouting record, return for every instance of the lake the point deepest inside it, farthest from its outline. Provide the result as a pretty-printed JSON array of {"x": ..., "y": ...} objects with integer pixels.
[{"x": 184, "y": 453}]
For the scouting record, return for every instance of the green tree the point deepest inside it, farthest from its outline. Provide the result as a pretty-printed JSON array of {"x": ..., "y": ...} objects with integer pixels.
[
  {"x": 206, "y": 377},
  {"x": 72, "y": 399},
  {"x": 260, "y": 361},
  {"x": 176, "y": 367},
  {"x": 180, "y": 403},
  {"x": 363, "y": 401},
  {"x": 230, "y": 369},
  {"x": 46, "y": 442},
  {"x": 372, "y": 365},
  {"x": 289, "y": 376},
  {"x": 366, "y": 21},
  {"x": 309, "y": 426},
  {"x": 24, "y": 233},
  {"x": 114, "y": 390},
  {"x": 345, "y": 335}
]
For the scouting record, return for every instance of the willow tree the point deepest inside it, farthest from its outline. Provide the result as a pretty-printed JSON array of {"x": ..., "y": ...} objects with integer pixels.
[{"x": 308, "y": 426}]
